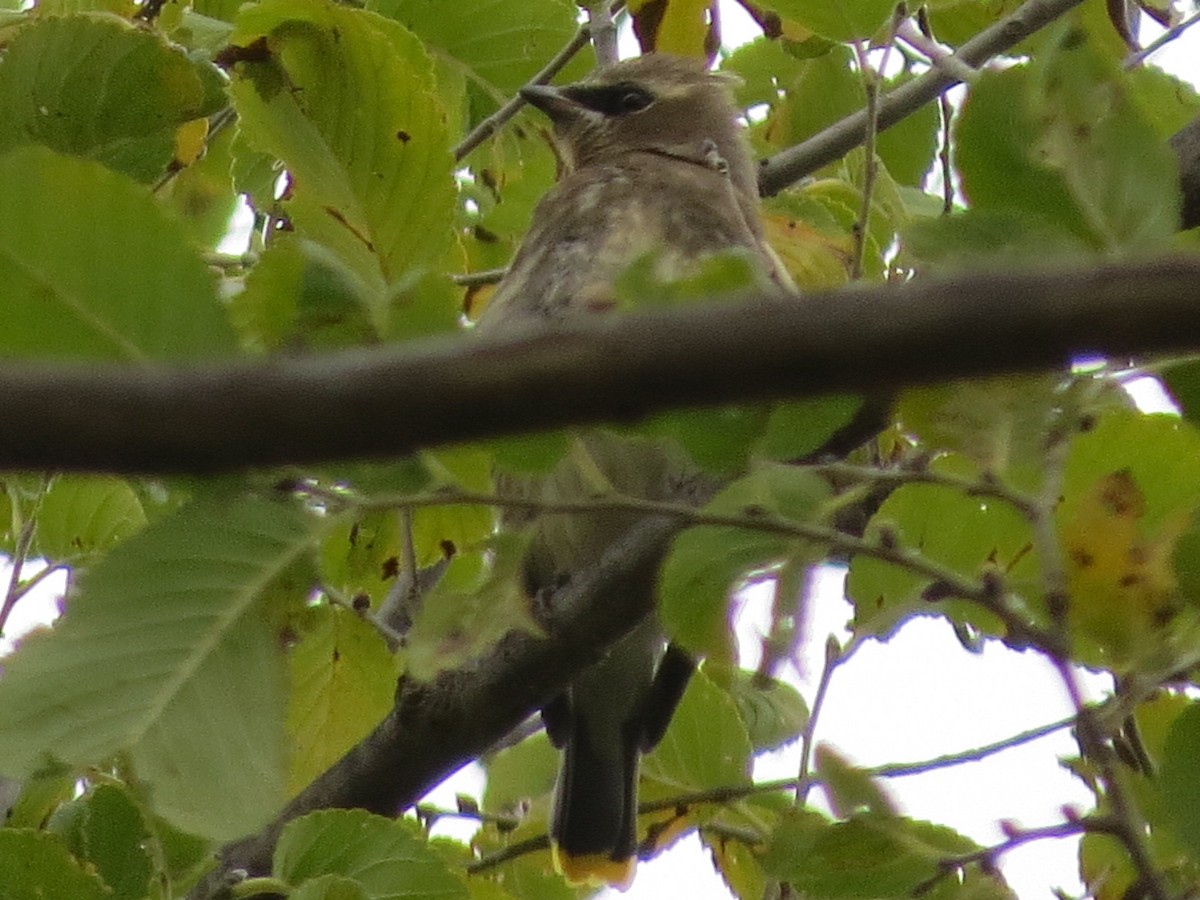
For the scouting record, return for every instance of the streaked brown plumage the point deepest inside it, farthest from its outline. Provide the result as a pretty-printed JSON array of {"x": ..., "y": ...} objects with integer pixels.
[
  {"x": 674, "y": 177},
  {"x": 655, "y": 163}
]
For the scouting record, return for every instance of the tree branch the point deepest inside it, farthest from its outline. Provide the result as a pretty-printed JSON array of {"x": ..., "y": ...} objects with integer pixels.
[
  {"x": 840, "y": 138},
  {"x": 436, "y": 727},
  {"x": 389, "y": 401}
]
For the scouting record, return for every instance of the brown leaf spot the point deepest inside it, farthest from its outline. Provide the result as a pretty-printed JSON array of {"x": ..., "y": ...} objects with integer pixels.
[{"x": 1120, "y": 495}]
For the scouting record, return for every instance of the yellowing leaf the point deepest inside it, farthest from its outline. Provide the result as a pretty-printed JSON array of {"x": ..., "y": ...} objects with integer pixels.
[
  {"x": 813, "y": 259},
  {"x": 1122, "y": 587},
  {"x": 682, "y": 27},
  {"x": 343, "y": 681},
  {"x": 189, "y": 141}
]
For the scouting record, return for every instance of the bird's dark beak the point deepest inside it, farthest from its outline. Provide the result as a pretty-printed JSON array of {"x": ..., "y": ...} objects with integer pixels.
[{"x": 550, "y": 100}]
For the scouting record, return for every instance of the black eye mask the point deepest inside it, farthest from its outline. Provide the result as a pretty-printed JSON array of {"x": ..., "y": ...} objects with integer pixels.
[{"x": 611, "y": 99}]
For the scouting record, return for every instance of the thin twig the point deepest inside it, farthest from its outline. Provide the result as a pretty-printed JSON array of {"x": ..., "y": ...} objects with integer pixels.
[
  {"x": 872, "y": 80},
  {"x": 1136, "y": 59},
  {"x": 37, "y": 578},
  {"x": 789, "y": 166},
  {"x": 408, "y": 549},
  {"x": 917, "y": 37},
  {"x": 492, "y": 123},
  {"x": 1016, "y": 838},
  {"x": 603, "y": 31},
  {"x": 1023, "y": 503},
  {"x": 512, "y": 851},
  {"x": 429, "y": 812},
  {"x": 988, "y": 592},
  {"x": 897, "y": 770},
  {"x": 835, "y": 655},
  {"x": 729, "y": 793},
  {"x": 953, "y": 583},
  {"x": 475, "y": 279},
  {"x": 946, "y": 113},
  {"x": 17, "y": 562}
]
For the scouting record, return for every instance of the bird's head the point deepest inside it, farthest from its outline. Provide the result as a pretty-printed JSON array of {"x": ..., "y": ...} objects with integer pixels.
[{"x": 668, "y": 105}]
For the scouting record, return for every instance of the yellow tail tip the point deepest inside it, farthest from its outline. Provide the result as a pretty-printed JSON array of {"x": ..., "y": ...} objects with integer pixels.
[{"x": 595, "y": 869}]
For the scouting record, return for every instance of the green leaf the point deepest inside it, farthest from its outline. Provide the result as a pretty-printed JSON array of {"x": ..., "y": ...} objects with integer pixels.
[
  {"x": 1104, "y": 864},
  {"x": 41, "y": 794},
  {"x": 995, "y": 137},
  {"x": 956, "y": 21},
  {"x": 820, "y": 91},
  {"x": 374, "y": 188},
  {"x": 530, "y": 454},
  {"x": 84, "y": 516},
  {"x": 36, "y": 866},
  {"x": 383, "y": 855},
  {"x": 813, "y": 244},
  {"x": 799, "y": 427},
  {"x": 1131, "y": 487},
  {"x": 984, "y": 238},
  {"x": 761, "y": 66},
  {"x": 524, "y": 771},
  {"x": 837, "y": 20},
  {"x": 999, "y": 423},
  {"x": 300, "y": 296},
  {"x": 69, "y": 83},
  {"x": 706, "y": 744},
  {"x": 165, "y": 654},
  {"x": 717, "y": 439},
  {"x": 706, "y": 563},
  {"x": 201, "y": 195},
  {"x": 1060, "y": 140},
  {"x": 773, "y": 711},
  {"x": 986, "y": 532},
  {"x": 185, "y": 857},
  {"x": 110, "y": 834},
  {"x": 361, "y": 555},
  {"x": 864, "y": 858},
  {"x": 499, "y": 43},
  {"x": 330, "y": 887},
  {"x": 850, "y": 790},
  {"x": 1183, "y": 381},
  {"x": 1179, "y": 779},
  {"x": 909, "y": 146},
  {"x": 1122, "y": 176},
  {"x": 441, "y": 531},
  {"x": 1163, "y": 100},
  {"x": 343, "y": 683},
  {"x": 1160, "y": 451},
  {"x": 93, "y": 269},
  {"x": 477, "y": 601}
]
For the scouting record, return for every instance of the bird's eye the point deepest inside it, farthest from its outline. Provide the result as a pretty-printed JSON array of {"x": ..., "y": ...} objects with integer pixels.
[
  {"x": 611, "y": 99},
  {"x": 634, "y": 100}
]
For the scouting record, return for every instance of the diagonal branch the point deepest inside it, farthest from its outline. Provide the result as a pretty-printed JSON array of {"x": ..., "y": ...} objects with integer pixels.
[
  {"x": 389, "y": 401},
  {"x": 434, "y": 728},
  {"x": 840, "y": 138}
]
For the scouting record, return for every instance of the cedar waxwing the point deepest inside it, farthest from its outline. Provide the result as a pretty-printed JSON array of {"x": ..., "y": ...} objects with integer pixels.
[{"x": 655, "y": 163}]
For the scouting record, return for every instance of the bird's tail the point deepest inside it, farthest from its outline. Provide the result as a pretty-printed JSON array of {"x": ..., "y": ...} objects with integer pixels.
[{"x": 594, "y": 833}]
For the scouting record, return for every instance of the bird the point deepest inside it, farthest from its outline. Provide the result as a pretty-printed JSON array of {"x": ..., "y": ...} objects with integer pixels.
[{"x": 655, "y": 165}]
